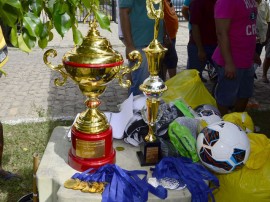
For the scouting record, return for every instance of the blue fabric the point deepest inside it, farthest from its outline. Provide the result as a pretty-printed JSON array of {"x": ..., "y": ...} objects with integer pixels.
[
  {"x": 192, "y": 174},
  {"x": 123, "y": 185}
]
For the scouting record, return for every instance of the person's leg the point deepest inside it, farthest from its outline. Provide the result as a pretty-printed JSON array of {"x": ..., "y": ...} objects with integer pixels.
[
  {"x": 259, "y": 48},
  {"x": 194, "y": 61},
  {"x": 170, "y": 61},
  {"x": 1, "y": 145},
  {"x": 246, "y": 79},
  {"x": 241, "y": 104},
  {"x": 5, "y": 175},
  {"x": 266, "y": 63},
  {"x": 223, "y": 109},
  {"x": 225, "y": 91}
]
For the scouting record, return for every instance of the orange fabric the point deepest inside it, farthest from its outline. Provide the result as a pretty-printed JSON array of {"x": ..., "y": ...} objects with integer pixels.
[{"x": 170, "y": 19}]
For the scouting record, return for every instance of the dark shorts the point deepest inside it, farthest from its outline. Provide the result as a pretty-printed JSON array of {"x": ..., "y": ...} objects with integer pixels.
[
  {"x": 193, "y": 61},
  {"x": 229, "y": 90},
  {"x": 171, "y": 58}
]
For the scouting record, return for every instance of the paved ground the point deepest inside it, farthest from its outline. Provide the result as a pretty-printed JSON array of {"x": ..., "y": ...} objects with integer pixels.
[{"x": 28, "y": 92}]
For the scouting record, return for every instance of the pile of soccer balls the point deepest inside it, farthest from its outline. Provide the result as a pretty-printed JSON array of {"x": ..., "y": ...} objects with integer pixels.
[{"x": 222, "y": 146}]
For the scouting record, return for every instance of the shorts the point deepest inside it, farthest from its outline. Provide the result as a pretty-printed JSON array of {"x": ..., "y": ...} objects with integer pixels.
[
  {"x": 171, "y": 58},
  {"x": 193, "y": 59},
  {"x": 229, "y": 90}
]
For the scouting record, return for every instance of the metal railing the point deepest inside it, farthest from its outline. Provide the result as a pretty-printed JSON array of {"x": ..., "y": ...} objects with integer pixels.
[{"x": 109, "y": 8}]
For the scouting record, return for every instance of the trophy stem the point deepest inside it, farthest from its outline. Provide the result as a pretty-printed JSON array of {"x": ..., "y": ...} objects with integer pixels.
[
  {"x": 150, "y": 137},
  {"x": 152, "y": 105},
  {"x": 92, "y": 120}
]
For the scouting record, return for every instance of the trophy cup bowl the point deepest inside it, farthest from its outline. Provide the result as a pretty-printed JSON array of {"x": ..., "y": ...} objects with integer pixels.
[{"x": 92, "y": 66}]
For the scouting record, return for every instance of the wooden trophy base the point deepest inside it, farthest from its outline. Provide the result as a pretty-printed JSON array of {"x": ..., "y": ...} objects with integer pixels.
[{"x": 150, "y": 153}]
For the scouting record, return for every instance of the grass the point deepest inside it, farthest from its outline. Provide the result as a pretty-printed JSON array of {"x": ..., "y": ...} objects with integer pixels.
[{"x": 23, "y": 140}]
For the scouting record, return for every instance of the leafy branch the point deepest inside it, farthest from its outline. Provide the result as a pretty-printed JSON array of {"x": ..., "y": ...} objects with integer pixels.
[{"x": 27, "y": 27}]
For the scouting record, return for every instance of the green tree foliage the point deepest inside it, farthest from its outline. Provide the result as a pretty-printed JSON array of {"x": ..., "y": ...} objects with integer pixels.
[{"x": 27, "y": 27}]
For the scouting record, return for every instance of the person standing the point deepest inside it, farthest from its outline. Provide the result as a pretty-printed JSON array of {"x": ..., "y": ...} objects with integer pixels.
[
  {"x": 236, "y": 33},
  {"x": 202, "y": 39},
  {"x": 170, "y": 30},
  {"x": 185, "y": 9},
  {"x": 138, "y": 32},
  {"x": 4, "y": 175},
  {"x": 262, "y": 21},
  {"x": 266, "y": 61},
  {"x": 120, "y": 33}
]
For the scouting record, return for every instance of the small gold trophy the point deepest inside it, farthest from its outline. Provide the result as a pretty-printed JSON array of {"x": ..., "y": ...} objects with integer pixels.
[
  {"x": 92, "y": 65},
  {"x": 153, "y": 87}
]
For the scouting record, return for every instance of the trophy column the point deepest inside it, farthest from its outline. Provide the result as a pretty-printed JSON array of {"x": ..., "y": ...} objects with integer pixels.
[{"x": 152, "y": 87}]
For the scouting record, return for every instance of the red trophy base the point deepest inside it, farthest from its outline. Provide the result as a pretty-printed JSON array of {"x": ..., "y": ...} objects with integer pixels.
[{"x": 91, "y": 150}]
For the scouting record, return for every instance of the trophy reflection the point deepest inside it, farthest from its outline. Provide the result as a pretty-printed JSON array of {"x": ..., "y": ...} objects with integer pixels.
[
  {"x": 92, "y": 66},
  {"x": 152, "y": 87}
]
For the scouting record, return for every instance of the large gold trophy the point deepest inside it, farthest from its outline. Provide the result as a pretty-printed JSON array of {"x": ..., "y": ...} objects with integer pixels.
[
  {"x": 92, "y": 66},
  {"x": 152, "y": 87}
]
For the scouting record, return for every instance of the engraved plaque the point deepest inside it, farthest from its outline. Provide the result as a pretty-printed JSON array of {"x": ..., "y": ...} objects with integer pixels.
[
  {"x": 151, "y": 155},
  {"x": 90, "y": 149}
]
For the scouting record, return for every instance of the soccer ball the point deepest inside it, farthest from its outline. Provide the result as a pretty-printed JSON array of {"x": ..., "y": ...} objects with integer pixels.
[
  {"x": 208, "y": 113},
  {"x": 223, "y": 147}
]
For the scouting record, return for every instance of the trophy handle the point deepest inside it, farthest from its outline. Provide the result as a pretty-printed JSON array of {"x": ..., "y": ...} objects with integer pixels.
[
  {"x": 53, "y": 53},
  {"x": 134, "y": 56}
]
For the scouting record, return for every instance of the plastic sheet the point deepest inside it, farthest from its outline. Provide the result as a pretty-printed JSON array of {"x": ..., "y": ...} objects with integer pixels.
[
  {"x": 252, "y": 182},
  {"x": 242, "y": 119},
  {"x": 188, "y": 86}
]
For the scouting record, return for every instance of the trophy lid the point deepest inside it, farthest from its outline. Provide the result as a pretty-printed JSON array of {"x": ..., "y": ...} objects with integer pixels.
[{"x": 94, "y": 52}]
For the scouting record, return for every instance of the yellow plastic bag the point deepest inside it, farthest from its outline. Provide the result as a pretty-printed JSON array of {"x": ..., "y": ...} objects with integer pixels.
[
  {"x": 242, "y": 119},
  {"x": 188, "y": 86},
  {"x": 252, "y": 182}
]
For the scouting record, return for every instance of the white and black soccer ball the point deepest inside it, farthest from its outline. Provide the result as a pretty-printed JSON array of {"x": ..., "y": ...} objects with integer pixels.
[
  {"x": 223, "y": 147},
  {"x": 208, "y": 113}
]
